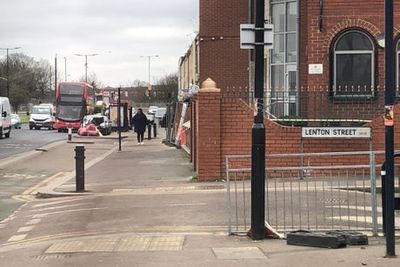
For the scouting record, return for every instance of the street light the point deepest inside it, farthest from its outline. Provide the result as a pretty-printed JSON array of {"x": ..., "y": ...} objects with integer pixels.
[
  {"x": 149, "y": 60},
  {"x": 86, "y": 64},
  {"x": 65, "y": 69},
  {"x": 7, "y": 68}
]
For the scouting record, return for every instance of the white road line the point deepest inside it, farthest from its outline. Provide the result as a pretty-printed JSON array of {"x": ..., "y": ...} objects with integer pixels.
[
  {"x": 63, "y": 211},
  {"x": 55, "y": 202},
  {"x": 34, "y": 221},
  {"x": 58, "y": 207},
  {"x": 16, "y": 238},
  {"x": 25, "y": 229},
  {"x": 361, "y": 208},
  {"x": 359, "y": 219},
  {"x": 186, "y": 204},
  {"x": 2, "y": 226}
]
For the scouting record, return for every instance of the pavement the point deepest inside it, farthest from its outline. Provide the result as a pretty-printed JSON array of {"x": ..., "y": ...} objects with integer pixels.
[{"x": 141, "y": 207}]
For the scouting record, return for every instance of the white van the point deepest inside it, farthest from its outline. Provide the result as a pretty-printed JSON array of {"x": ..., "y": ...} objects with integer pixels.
[
  {"x": 41, "y": 116},
  {"x": 5, "y": 117}
]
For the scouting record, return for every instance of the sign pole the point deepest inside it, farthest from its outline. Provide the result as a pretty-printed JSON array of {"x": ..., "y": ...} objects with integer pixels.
[
  {"x": 258, "y": 133},
  {"x": 389, "y": 129}
]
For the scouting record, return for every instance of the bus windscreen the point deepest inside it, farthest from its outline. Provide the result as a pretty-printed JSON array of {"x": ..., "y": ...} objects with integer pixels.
[{"x": 70, "y": 113}]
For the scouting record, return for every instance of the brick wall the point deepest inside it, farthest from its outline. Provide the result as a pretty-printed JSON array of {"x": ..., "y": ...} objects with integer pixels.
[
  {"x": 219, "y": 43},
  {"x": 227, "y": 131}
]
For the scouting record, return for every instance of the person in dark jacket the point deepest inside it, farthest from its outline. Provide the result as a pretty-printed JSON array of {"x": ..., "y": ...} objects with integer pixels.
[{"x": 139, "y": 122}]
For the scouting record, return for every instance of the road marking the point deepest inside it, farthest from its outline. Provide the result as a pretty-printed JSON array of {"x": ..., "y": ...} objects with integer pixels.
[
  {"x": 186, "y": 204},
  {"x": 55, "y": 202},
  {"x": 33, "y": 189},
  {"x": 34, "y": 221},
  {"x": 58, "y": 207},
  {"x": 360, "y": 219},
  {"x": 361, "y": 208},
  {"x": 25, "y": 229},
  {"x": 16, "y": 238},
  {"x": 2, "y": 225},
  {"x": 63, "y": 211}
]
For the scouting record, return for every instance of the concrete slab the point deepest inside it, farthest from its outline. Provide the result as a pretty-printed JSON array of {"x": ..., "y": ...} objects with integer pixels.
[{"x": 240, "y": 253}]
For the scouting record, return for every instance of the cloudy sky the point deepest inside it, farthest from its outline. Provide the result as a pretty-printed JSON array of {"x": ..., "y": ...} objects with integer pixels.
[{"x": 121, "y": 32}]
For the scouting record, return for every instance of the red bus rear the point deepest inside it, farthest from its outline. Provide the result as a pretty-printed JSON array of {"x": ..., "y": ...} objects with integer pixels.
[{"x": 73, "y": 101}]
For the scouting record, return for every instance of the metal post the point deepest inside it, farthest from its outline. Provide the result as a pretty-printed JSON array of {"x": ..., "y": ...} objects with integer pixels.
[
  {"x": 119, "y": 119},
  {"x": 65, "y": 69},
  {"x": 8, "y": 78},
  {"x": 389, "y": 129},
  {"x": 155, "y": 129},
  {"x": 373, "y": 192},
  {"x": 149, "y": 131},
  {"x": 258, "y": 133},
  {"x": 55, "y": 73},
  {"x": 69, "y": 134},
  {"x": 80, "y": 168}
]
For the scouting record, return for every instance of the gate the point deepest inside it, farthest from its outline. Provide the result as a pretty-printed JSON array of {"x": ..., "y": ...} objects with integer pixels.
[{"x": 303, "y": 191}]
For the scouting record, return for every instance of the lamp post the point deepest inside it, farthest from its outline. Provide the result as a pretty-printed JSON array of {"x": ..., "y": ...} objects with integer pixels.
[
  {"x": 389, "y": 130},
  {"x": 7, "y": 68},
  {"x": 65, "y": 69},
  {"x": 258, "y": 132},
  {"x": 149, "y": 70},
  {"x": 86, "y": 64}
]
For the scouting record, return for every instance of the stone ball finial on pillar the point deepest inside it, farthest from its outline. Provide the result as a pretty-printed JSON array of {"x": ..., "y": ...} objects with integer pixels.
[{"x": 209, "y": 86}]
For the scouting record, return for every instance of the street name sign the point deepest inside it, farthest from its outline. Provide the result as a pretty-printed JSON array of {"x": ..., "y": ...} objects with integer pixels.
[{"x": 336, "y": 132}]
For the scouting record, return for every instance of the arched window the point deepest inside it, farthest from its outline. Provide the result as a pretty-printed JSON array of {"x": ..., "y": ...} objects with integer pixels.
[{"x": 353, "y": 64}]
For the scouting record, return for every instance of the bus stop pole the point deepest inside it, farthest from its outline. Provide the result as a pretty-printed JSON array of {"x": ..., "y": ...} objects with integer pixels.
[{"x": 389, "y": 130}]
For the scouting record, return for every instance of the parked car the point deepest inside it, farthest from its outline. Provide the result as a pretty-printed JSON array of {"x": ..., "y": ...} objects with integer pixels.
[
  {"x": 15, "y": 121},
  {"x": 100, "y": 121},
  {"x": 160, "y": 113},
  {"x": 152, "y": 109}
]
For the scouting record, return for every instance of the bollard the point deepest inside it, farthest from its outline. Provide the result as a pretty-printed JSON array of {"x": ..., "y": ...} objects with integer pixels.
[
  {"x": 69, "y": 134},
  {"x": 149, "y": 131},
  {"x": 155, "y": 129},
  {"x": 80, "y": 168}
]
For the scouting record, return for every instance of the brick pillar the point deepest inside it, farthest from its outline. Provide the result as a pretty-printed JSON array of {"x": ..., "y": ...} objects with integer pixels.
[{"x": 208, "y": 131}]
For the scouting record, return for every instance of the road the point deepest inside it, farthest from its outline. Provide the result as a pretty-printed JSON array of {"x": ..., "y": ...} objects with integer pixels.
[{"x": 22, "y": 140}]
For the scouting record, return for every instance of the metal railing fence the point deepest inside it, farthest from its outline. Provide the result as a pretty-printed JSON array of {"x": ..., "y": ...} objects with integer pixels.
[{"x": 315, "y": 196}]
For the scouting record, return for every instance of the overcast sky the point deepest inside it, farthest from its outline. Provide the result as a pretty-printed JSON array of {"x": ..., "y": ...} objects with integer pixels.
[{"x": 120, "y": 31}]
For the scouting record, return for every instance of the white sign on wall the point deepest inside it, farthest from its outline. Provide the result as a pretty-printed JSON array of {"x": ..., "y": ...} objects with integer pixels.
[
  {"x": 315, "y": 69},
  {"x": 336, "y": 132}
]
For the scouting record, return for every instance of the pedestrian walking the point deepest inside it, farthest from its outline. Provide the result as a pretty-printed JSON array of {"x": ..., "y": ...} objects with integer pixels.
[{"x": 139, "y": 122}]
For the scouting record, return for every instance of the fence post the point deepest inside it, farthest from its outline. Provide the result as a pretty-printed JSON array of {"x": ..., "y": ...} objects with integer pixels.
[
  {"x": 228, "y": 198},
  {"x": 374, "y": 204}
]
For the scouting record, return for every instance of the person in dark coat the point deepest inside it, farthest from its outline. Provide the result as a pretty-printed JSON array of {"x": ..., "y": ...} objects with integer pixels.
[{"x": 139, "y": 122}]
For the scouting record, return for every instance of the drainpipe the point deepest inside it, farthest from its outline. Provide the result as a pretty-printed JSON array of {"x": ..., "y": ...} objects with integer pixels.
[{"x": 298, "y": 59}]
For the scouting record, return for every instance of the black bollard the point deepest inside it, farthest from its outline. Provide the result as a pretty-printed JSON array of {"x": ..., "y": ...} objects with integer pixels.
[
  {"x": 155, "y": 129},
  {"x": 80, "y": 168},
  {"x": 149, "y": 131}
]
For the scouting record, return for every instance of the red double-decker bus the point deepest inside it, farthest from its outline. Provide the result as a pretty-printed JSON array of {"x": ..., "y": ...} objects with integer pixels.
[{"x": 74, "y": 100}]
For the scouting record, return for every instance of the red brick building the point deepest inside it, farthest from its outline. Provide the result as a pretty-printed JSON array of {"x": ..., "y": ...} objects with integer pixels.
[{"x": 326, "y": 68}]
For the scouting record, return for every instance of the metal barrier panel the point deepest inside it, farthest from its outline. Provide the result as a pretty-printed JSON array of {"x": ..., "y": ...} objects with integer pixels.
[{"x": 317, "y": 198}]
